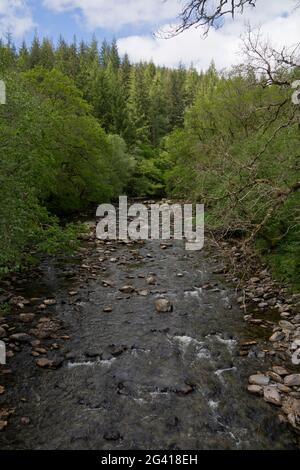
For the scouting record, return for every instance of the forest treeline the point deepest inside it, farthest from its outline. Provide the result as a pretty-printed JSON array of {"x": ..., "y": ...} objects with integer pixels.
[{"x": 83, "y": 125}]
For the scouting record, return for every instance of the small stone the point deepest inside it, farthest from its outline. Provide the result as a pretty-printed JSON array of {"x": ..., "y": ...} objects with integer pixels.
[
  {"x": 186, "y": 390},
  {"x": 296, "y": 358},
  {"x": 2, "y": 332},
  {"x": 284, "y": 388},
  {"x": 25, "y": 420},
  {"x": 259, "y": 379},
  {"x": 108, "y": 309},
  {"x": 275, "y": 377},
  {"x": 27, "y": 317},
  {"x": 3, "y": 425},
  {"x": 278, "y": 336},
  {"x": 292, "y": 380},
  {"x": 286, "y": 325},
  {"x": 255, "y": 390},
  {"x": 35, "y": 354},
  {"x": 255, "y": 280},
  {"x": 143, "y": 293},
  {"x": 271, "y": 395},
  {"x": 163, "y": 306},
  {"x": 263, "y": 305},
  {"x": 280, "y": 370},
  {"x": 41, "y": 350},
  {"x": 20, "y": 337},
  {"x": 295, "y": 345},
  {"x": 2, "y": 390},
  {"x": 151, "y": 280},
  {"x": 127, "y": 289},
  {"x": 49, "y": 302},
  {"x": 45, "y": 364},
  {"x": 73, "y": 293},
  {"x": 108, "y": 284}
]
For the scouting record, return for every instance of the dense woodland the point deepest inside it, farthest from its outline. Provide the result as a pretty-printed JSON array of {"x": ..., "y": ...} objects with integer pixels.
[{"x": 83, "y": 125}]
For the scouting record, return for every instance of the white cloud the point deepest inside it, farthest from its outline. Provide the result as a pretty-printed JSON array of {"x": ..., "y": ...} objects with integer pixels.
[
  {"x": 114, "y": 14},
  {"x": 277, "y": 19},
  {"x": 15, "y": 16}
]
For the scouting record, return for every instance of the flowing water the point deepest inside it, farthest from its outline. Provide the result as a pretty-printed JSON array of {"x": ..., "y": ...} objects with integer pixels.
[{"x": 136, "y": 379}]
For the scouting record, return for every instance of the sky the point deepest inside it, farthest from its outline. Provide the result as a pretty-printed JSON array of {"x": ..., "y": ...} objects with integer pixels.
[{"x": 134, "y": 24}]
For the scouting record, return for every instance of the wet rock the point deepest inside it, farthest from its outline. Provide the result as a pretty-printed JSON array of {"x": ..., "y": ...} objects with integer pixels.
[
  {"x": 35, "y": 354},
  {"x": 127, "y": 289},
  {"x": 27, "y": 317},
  {"x": 271, "y": 395},
  {"x": 143, "y": 293},
  {"x": 108, "y": 309},
  {"x": 49, "y": 302},
  {"x": 151, "y": 280},
  {"x": 48, "y": 364},
  {"x": 108, "y": 284},
  {"x": 41, "y": 350},
  {"x": 163, "y": 306},
  {"x": 259, "y": 379},
  {"x": 21, "y": 338},
  {"x": 2, "y": 332},
  {"x": 255, "y": 390},
  {"x": 292, "y": 380}
]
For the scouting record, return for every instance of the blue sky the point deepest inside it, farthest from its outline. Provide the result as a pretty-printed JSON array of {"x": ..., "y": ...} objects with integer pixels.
[{"x": 133, "y": 22}]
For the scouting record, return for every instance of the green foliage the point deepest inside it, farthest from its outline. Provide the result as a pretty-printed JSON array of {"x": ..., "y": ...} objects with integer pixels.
[{"x": 239, "y": 154}]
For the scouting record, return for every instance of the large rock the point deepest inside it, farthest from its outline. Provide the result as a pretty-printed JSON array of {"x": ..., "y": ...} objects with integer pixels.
[
  {"x": 259, "y": 379},
  {"x": 163, "y": 306},
  {"x": 292, "y": 380},
  {"x": 271, "y": 395}
]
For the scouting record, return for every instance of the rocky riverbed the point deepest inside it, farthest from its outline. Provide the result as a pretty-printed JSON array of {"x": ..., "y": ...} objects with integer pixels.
[{"x": 148, "y": 346}]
